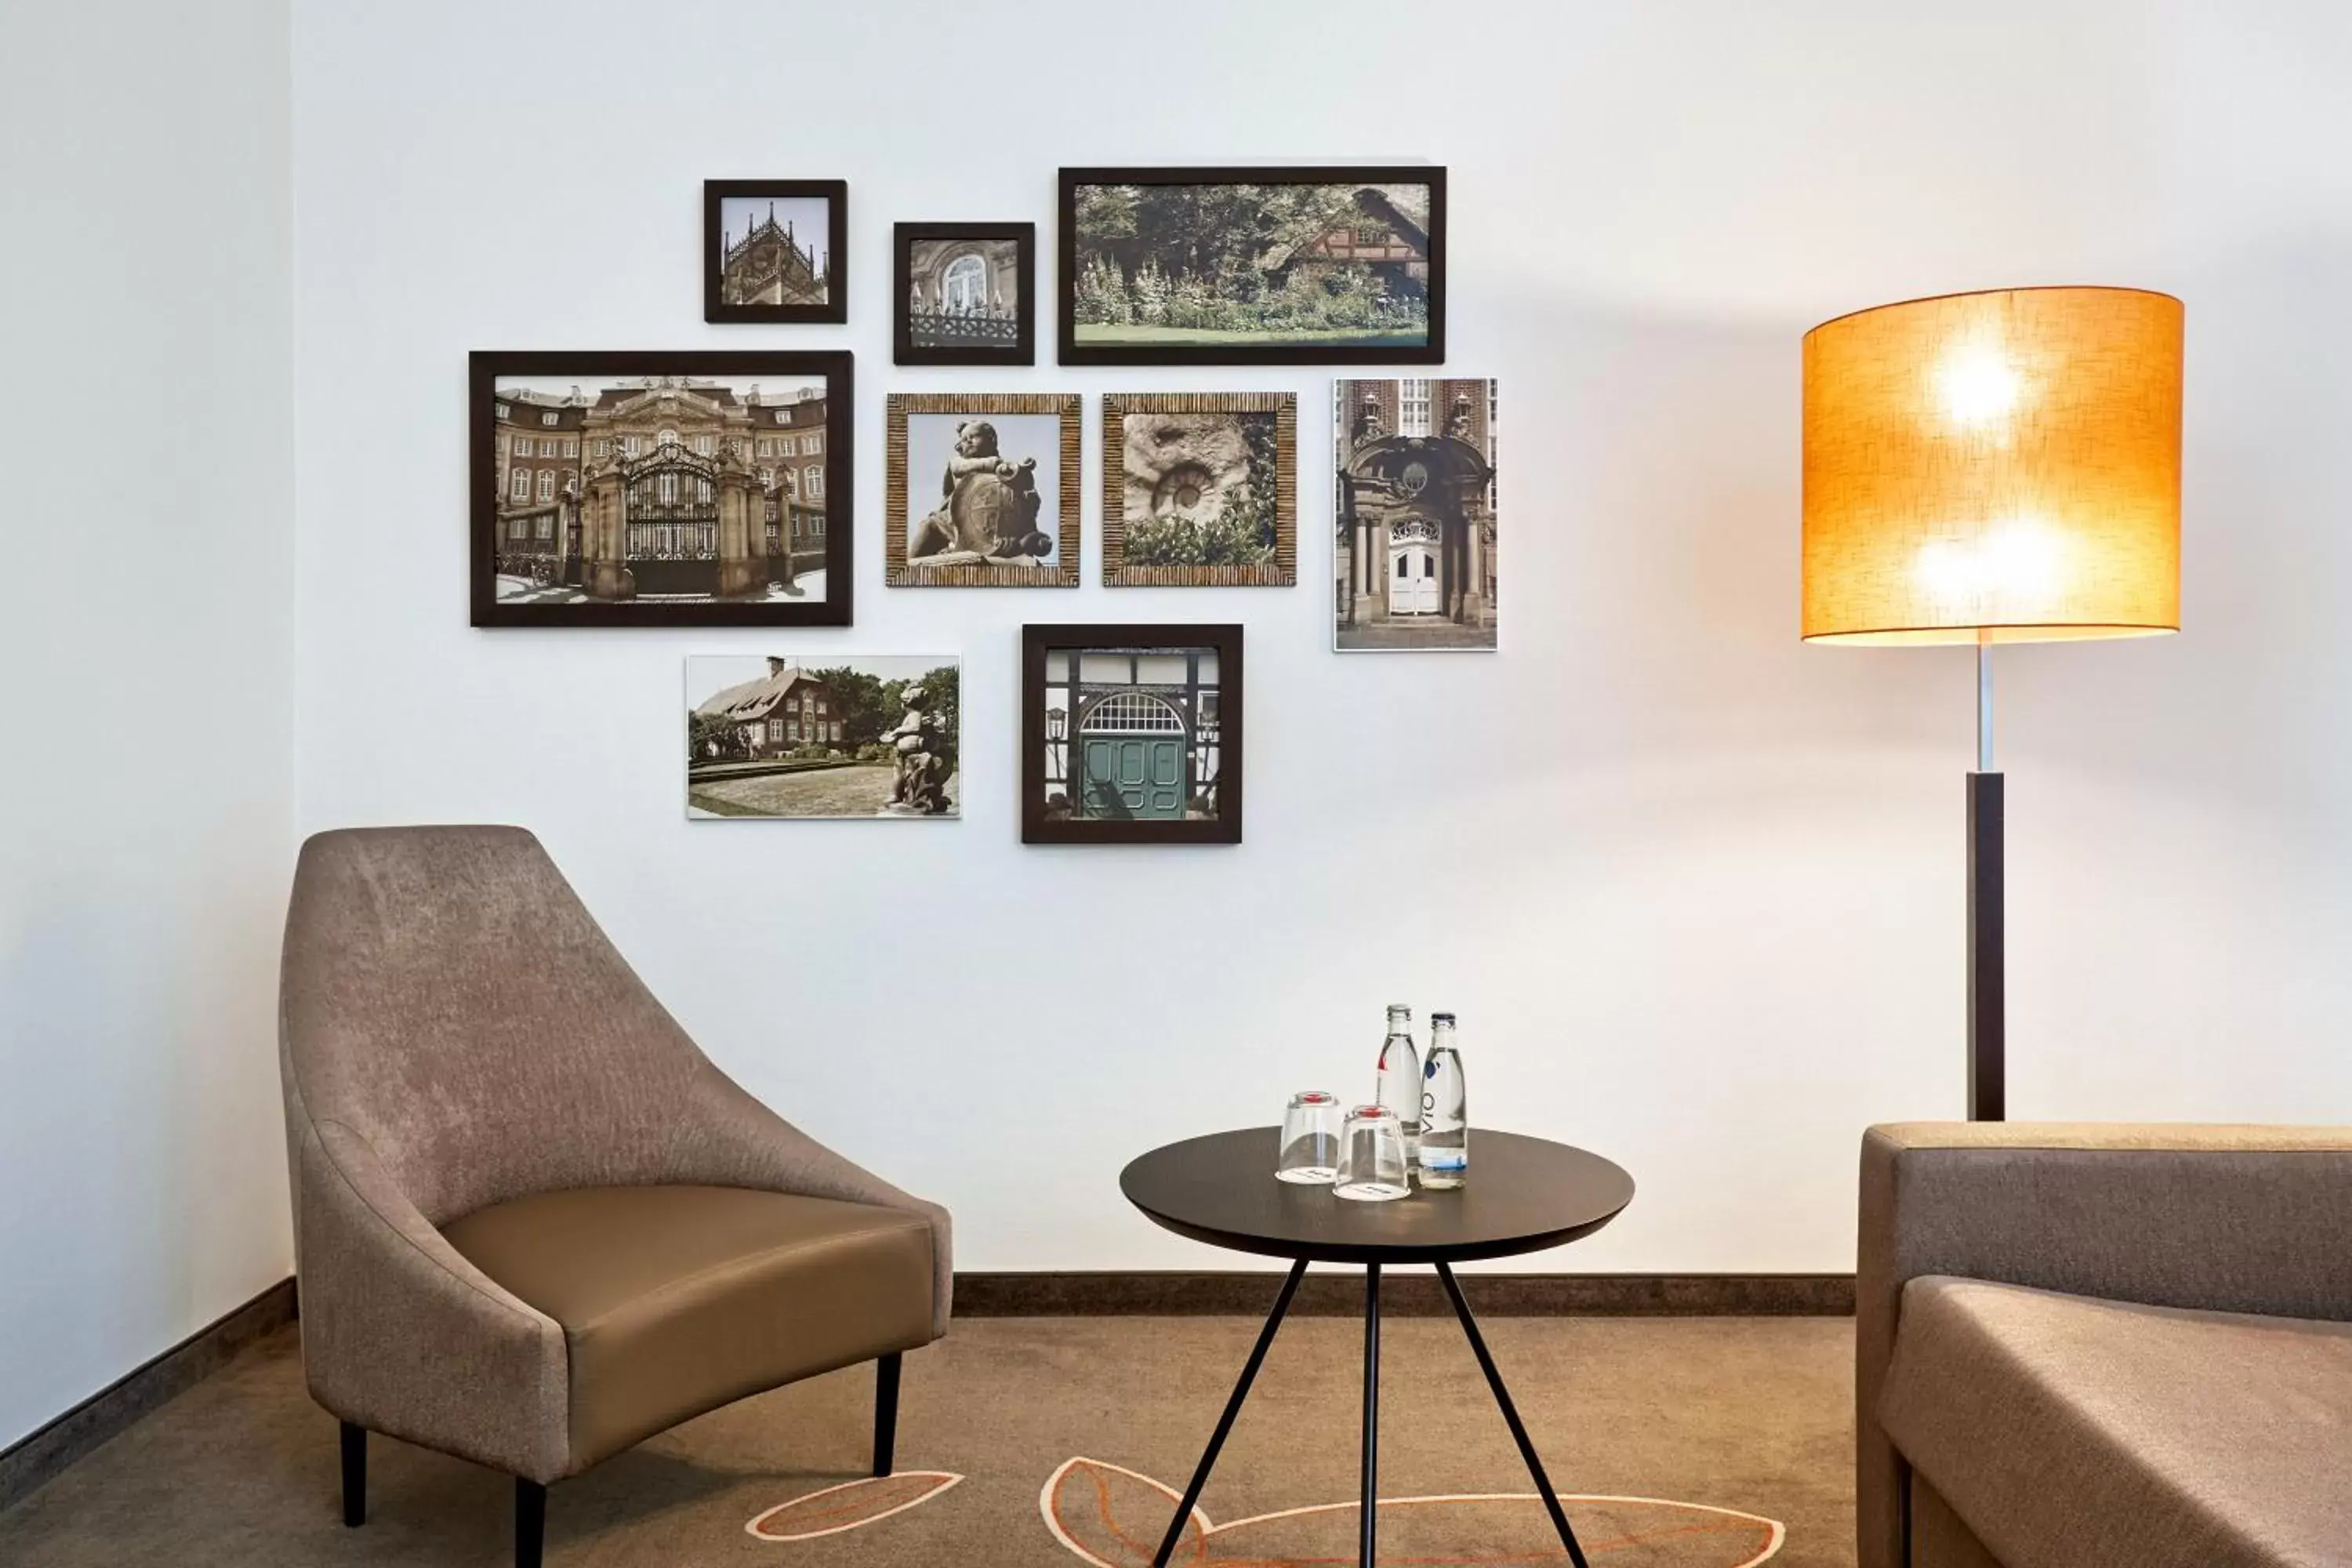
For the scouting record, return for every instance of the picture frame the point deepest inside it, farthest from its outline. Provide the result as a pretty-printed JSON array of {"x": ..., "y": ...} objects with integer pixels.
[
  {"x": 1131, "y": 733},
  {"x": 1200, "y": 489},
  {"x": 655, "y": 507},
  {"x": 1414, "y": 508},
  {"x": 963, "y": 293},
  {"x": 834, "y": 736},
  {"x": 760, "y": 257},
  {"x": 1007, "y": 511},
  {"x": 1321, "y": 264}
]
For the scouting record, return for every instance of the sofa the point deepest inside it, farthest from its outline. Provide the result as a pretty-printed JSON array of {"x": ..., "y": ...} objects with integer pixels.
[{"x": 2089, "y": 1346}]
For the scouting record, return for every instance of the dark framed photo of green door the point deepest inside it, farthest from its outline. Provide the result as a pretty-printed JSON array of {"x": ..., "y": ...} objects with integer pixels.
[{"x": 1131, "y": 735}]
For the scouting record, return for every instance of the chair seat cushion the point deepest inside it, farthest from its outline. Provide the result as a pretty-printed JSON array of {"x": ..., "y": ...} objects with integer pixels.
[
  {"x": 2069, "y": 1432},
  {"x": 677, "y": 1299}
]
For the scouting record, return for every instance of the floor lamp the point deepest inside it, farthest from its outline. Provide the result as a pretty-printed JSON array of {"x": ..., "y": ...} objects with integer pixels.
[{"x": 1994, "y": 467}]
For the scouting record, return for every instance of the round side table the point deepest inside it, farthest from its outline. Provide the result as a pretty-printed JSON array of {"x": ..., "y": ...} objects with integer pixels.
[{"x": 1523, "y": 1194}]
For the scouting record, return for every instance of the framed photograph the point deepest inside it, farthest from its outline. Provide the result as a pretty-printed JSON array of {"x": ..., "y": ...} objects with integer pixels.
[
  {"x": 1130, "y": 734},
  {"x": 1200, "y": 489},
  {"x": 775, "y": 250},
  {"x": 828, "y": 735},
  {"x": 1279, "y": 265},
  {"x": 661, "y": 490},
  {"x": 967, "y": 293},
  {"x": 996, "y": 475},
  {"x": 1414, "y": 511}
]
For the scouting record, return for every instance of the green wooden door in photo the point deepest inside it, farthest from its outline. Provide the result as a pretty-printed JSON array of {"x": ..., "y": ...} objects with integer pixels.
[{"x": 1131, "y": 757}]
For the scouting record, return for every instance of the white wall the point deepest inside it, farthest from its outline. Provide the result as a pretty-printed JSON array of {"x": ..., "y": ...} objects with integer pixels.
[
  {"x": 146, "y": 762},
  {"x": 1695, "y": 889}
]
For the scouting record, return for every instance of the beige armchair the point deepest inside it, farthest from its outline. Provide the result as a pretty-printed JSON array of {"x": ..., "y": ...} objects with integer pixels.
[
  {"x": 2089, "y": 1346},
  {"x": 533, "y": 1224}
]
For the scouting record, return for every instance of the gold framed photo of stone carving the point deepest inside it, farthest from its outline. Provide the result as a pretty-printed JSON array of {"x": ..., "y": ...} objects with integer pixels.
[
  {"x": 843, "y": 736},
  {"x": 775, "y": 250},
  {"x": 1131, "y": 735},
  {"x": 1322, "y": 264},
  {"x": 981, "y": 490},
  {"x": 1200, "y": 489},
  {"x": 966, "y": 293},
  {"x": 1413, "y": 512},
  {"x": 693, "y": 488}
]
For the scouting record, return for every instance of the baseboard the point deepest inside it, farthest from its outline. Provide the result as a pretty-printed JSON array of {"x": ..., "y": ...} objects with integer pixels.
[
  {"x": 34, "y": 1460},
  {"x": 1408, "y": 1295}
]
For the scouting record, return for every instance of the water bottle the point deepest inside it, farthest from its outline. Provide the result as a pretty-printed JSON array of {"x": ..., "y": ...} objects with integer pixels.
[
  {"x": 1444, "y": 1110},
  {"x": 1400, "y": 1085}
]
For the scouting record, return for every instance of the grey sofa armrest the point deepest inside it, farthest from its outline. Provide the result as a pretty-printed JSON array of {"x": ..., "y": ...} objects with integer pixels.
[
  {"x": 2240, "y": 1219},
  {"x": 383, "y": 1294}
]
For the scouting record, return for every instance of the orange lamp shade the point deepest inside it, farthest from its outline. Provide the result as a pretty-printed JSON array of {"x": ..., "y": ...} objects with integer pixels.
[{"x": 2002, "y": 466}]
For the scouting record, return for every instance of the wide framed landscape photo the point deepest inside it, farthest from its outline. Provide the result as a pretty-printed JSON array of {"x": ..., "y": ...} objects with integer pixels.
[
  {"x": 835, "y": 735},
  {"x": 775, "y": 250},
  {"x": 966, "y": 293},
  {"x": 1200, "y": 489},
  {"x": 1413, "y": 512},
  {"x": 633, "y": 488},
  {"x": 1130, "y": 734},
  {"x": 1327, "y": 264},
  {"x": 982, "y": 490}
]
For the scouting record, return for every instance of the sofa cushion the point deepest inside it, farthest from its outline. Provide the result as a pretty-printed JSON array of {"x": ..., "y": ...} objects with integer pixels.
[
  {"x": 2068, "y": 1432},
  {"x": 676, "y": 1300}
]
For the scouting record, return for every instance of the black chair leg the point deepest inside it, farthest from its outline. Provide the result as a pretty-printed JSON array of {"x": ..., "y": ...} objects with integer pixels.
[
  {"x": 530, "y": 1523},
  {"x": 885, "y": 1413},
  {"x": 355, "y": 1475}
]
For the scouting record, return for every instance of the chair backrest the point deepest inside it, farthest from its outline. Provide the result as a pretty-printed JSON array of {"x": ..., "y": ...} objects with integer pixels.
[{"x": 446, "y": 996}]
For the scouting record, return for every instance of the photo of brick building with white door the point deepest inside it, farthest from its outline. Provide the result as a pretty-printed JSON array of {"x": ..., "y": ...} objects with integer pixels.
[{"x": 1414, "y": 553}]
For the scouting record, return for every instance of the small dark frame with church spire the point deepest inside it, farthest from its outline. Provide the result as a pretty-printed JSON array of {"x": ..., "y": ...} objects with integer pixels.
[{"x": 775, "y": 250}]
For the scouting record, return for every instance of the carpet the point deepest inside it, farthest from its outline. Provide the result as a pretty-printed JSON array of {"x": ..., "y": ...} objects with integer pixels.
[{"x": 1677, "y": 1443}]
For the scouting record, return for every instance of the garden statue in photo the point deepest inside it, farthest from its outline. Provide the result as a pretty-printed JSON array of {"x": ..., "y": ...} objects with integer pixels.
[
  {"x": 988, "y": 508},
  {"x": 926, "y": 759}
]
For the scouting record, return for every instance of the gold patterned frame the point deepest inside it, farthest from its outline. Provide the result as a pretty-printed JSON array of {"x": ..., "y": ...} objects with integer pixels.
[
  {"x": 1281, "y": 571},
  {"x": 1062, "y": 572}
]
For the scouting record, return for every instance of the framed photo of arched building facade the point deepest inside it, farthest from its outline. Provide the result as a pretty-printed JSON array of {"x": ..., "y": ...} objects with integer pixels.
[
  {"x": 1130, "y": 734},
  {"x": 1414, "y": 562},
  {"x": 671, "y": 489},
  {"x": 966, "y": 293}
]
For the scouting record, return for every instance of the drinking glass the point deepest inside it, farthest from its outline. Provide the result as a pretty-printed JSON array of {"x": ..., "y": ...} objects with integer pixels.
[
  {"x": 1371, "y": 1157},
  {"x": 1310, "y": 1137}
]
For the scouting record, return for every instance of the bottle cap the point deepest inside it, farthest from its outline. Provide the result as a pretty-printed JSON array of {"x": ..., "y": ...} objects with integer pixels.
[{"x": 1441, "y": 1017}]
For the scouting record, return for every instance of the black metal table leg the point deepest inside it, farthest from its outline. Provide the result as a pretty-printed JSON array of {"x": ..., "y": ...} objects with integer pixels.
[
  {"x": 1225, "y": 1421},
  {"x": 1511, "y": 1417},
  {"x": 1369, "y": 1511}
]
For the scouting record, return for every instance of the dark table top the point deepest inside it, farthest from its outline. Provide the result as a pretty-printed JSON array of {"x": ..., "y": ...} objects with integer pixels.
[{"x": 1523, "y": 1194}]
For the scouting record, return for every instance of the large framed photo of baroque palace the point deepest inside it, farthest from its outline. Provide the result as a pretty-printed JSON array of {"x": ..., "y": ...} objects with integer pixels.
[{"x": 635, "y": 488}]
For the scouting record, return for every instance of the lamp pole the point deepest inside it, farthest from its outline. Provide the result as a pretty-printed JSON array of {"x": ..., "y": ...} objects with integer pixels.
[{"x": 1988, "y": 1066}]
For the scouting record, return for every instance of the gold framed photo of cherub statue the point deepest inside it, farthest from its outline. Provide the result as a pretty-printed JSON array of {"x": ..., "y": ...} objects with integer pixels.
[{"x": 981, "y": 490}]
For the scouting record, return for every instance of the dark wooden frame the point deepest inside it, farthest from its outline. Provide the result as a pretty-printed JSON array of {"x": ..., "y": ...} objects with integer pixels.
[
  {"x": 897, "y": 497},
  {"x": 1066, "y": 250},
  {"x": 1036, "y": 639},
  {"x": 1281, "y": 571},
  {"x": 835, "y": 308},
  {"x": 485, "y": 366},
  {"x": 903, "y": 348}
]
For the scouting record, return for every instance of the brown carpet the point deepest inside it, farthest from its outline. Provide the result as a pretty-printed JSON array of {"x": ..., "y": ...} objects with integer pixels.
[{"x": 1750, "y": 1415}]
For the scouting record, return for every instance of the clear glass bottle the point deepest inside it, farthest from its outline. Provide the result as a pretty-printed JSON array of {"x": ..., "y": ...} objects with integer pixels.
[
  {"x": 1444, "y": 1147},
  {"x": 1400, "y": 1085}
]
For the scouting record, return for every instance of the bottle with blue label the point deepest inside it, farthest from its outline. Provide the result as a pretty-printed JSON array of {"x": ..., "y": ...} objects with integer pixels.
[{"x": 1444, "y": 1110}]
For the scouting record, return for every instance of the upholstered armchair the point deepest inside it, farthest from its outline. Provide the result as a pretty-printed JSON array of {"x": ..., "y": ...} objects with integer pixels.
[
  {"x": 2103, "y": 1346},
  {"x": 533, "y": 1224}
]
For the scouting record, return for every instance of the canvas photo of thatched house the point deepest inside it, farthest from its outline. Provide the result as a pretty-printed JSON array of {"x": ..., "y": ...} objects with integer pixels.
[
  {"x": 843, "y": 736},
  {"x": 1226, "y": 266}
]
